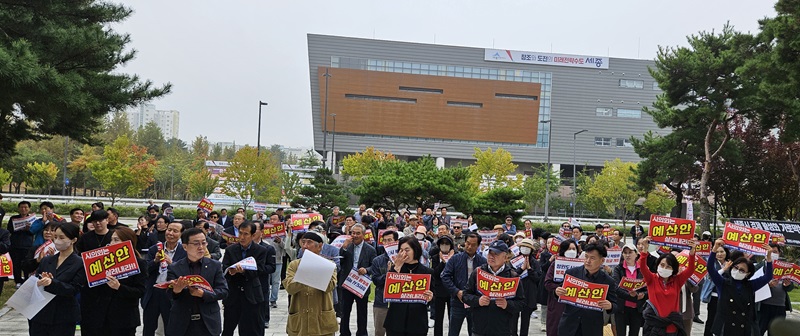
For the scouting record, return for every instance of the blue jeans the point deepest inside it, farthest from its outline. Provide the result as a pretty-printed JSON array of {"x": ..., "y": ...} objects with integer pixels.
[
  {"x": 457, "y": 315},
  {"x": 276, "y": 283}
]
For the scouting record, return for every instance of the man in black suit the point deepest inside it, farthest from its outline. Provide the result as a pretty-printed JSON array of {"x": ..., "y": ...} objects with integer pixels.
[
  {"x": 269, "y": 266},
  {"x": 194, "y": 310},
  {"x": 155, "y": 301},
  {"x": 213, "y": 246},
  {"x": 233, "y": 230},
  {"x": 243, "y": 305},
  {"x": 356, "y": 254},
  {"x": 225, "y": 220}
]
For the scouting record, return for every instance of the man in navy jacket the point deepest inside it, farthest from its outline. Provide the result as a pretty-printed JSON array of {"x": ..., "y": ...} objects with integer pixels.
[
  {"x": 455, "y": 276},
  {"x": 155, "y": 302}
]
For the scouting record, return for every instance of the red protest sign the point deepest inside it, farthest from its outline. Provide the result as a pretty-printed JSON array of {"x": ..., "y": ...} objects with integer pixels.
[
  {"x": 274, "y": 230},
  {"x": 337, "y": 220},
  {"x": 194, "y": 281},
  {"x": 529, "y": 233},
  {"x": 782, "y": 270},
  {"x": 607, "y": 232},
  {"x": 380, "y": 236},
  {"x": 703, "y": 248},
  {"x": 407, "y": 288},
  {"x": 229, "y": 238},
  {"x": 745, "y": 239},
  {"x": 700, "y": 267},
  {"x": 495, "y": 286},
  {"x": 206, "y": 205},
  {"x": 117, "y": 260},
  {"x": 565, "y": 232},
  {"x": 777, "y": 238},
  {"x": 6, "y": 267},
  {"x": 368, "y": 236},
  {"x": 632, "y": 284},
  {"x": 300, "y": 222},
  {"x": 664, "y": 249},
  {"x": 554, "y": 244},
  {"x": 583, "y": 294},
  {"x": 672, "y": 232}
]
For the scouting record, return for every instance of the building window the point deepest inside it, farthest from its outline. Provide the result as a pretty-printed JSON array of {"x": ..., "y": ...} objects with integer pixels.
[
  {"x": 631, "y": 83},
  {"x": 626, "y": 113},
  {"x": 624, "y": 142},
  {"x": 464, "y": 104},
  {"x": 604, "y": 142},
  {"x": 419, "y": 89},
  {"x": 383, "y": 99},
  {"x": 515, "y": 96},
  {"x": 604, "y": 112}
]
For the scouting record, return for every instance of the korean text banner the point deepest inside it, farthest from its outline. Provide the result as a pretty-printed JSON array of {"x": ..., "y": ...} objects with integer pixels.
[
  {"x": 632, "y": 284},
  {"x": 782, "y": 270},
  {"x": 583, "y": 294},
  {"x": 790, "y": 231},
  {"x": 700, "y": 267},
  {"x": 300, "y": 222},
  {"x": 745, "y": 239},
  {"x": 206, "y": 205},
  {"x": 563, "y": 264},
  {"x": 407, "y": 288},
  {"x": 495, "y": 286},
  {"x": 555, "y": 243},
  {"x": 274, "y": 230},
  {"x": 487, "y": 236},
  {"x": 6, "y": 267},
  {"x": 117, "y": 260},
  {"x": 530, "y": 57},
  {"x": 356, "y": 283},
  {"x": 614, "y": 256},
  {"x": 672, "y": 232}
]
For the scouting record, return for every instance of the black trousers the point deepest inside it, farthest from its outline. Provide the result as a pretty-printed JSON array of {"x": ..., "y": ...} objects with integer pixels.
[
  {"x": 347, "y": 307},
  {"x": 767, "y": 314},
  {"x": 41, "y": 329},
  {"x": 158, "y": 305},
  {"x": 712, "y": 313},
  {"x": 196, "y": 328},
  {"x": 524, "y": 322},
  {"x": 631, "y": 319},
  {"x": 440, "y": 303},
  {"x": 240, "y": 312},
  {"x": 17, "y": 257},
  {"x": 696, "y": 299}
]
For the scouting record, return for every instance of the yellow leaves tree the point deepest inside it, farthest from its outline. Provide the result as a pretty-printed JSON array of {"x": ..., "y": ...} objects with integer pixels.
[
  {"x": 124, "y": 168},
  {"x": 251, "y": 177},
  {"x": 363, "y": 164},
  {"x": 615, "y": 188},
  {"x": 494, "y": 169},
  {"x": 41, "y": 175}
]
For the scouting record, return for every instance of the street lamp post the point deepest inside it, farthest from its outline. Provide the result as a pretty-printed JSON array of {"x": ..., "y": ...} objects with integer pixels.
[
  {"x": 258, "y": 142},
  {"x": 66, "y": 153},
  {"x": 575, "y": 172},
  {"x": 549, "y": 170},
  {"x": 171, "y": 182},
  {"x": 333, "y": 145},
  {"x": 325, "y": 126}
]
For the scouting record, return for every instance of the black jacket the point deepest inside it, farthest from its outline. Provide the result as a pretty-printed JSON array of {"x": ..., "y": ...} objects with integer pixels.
[
  {"x": 182, "y": 304},
  {"x": 119, "y": 307},
  {"x": 213, "y": 248},
  {"x": 22, "y": 239},
  {"x": 587, "y": 322},
  {"x": 152, "y": 269},
  {"x": 408, "y": 318},
  {"x": 623, "y": 295},
  {"x": 544, "y": 264},
  {"x": 67, "y": 282},
  {"x": 438, "y": 288},
  {"x": 247, "y": 283},
  {"x": 491, "y": 319},
  {"x": 91, "y": 240},
  {"x": 655, "y": 325},
  {"x": 532, "y": 279},
  {"x": 347, "y": 263}
]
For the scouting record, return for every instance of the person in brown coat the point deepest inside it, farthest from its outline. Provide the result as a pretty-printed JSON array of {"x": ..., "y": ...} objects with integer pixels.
[{"x": 310, "y": 309}]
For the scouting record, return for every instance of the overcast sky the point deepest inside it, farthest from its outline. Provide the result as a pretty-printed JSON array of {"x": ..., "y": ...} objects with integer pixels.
[{"x": 222, "y": 57}]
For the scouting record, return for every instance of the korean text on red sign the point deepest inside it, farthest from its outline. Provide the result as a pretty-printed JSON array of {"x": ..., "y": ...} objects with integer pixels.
[
  {"x": 407, "y": 288},
  {"x": 300, "y": 222},
  {"x": 672, "y": 232},
  {"x": 117, "y": 260},
  {"x": 745, "y": 239},
  {"x": 496, "y": 287},
  {"x": 583, "y": 294}
]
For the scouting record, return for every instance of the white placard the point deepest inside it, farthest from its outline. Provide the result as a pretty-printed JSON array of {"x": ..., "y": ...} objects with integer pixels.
[
  {"x": 356, "y": 283},
  {"x": 613, "y": 257},
  {"x": 339, "y": 241},
  {"x": 562, "y": 265},
  {"x": 248, "y": 264},
  {"x": 763, "y": 293},
  {"x": 312, "y": 270},
  {"x": 22, "y": 223},
  {"x": 29, "y": 299},
  {"x": 391, "y": 250},
  {"x": 538, "y": 58}
]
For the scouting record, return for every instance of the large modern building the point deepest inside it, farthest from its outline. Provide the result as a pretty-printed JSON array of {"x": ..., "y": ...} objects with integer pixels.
[
  {"x": 167, "y": 120},
  {"x": 415, "y": 99}
]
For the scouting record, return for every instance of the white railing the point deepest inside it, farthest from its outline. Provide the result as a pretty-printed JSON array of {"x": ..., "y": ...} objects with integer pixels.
[{"x": 135, "y": 202}]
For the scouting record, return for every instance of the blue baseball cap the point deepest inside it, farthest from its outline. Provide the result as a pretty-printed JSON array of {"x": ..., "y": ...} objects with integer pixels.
[{"x": 498, "y": 246}]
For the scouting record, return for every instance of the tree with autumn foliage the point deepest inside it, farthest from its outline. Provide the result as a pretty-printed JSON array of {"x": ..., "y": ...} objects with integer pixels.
[
  {"x": 493, "y": 169},
  {"x": 250, "y": 177},
  {"x": 41, "y": 175},
  {"x": 124, "y": 169},
  {"x": 360, "y": 165}
]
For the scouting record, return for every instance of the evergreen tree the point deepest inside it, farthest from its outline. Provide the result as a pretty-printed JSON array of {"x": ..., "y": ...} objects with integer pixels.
[{"x": 322, "y": 195}]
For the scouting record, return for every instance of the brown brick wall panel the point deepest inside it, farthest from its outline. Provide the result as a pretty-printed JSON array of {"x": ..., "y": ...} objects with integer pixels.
[{"x": 499, "y": 120}]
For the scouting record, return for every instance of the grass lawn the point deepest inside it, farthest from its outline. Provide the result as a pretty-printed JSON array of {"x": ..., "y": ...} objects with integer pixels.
[
  {"x": 794, "y": 296},
  {"x": 8, "y": 290}
]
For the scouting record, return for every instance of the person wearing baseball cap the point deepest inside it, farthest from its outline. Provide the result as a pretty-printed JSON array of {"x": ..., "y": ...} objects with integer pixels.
[
  {"x": 631, "y": 302},
  {"x": 496, "y": 315}
]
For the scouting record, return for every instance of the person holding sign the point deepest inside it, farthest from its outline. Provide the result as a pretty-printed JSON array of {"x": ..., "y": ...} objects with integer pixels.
[
  {"x": 530, "y": 276},
  {"x": 567, "y": 249},
  {"x": 380, "y": 265},
  {"x": 5, "y": 246},
  {"x": 21, "y": 238},
  {"x": 662, "y": 314},
  {"x": 630, "y": 299},
  {"x": 61, "y": 274},
  {"x": 496, "y": 315},
  {"x": 113, "y": 308},
  {"x": 155, "y": 302},
  {"x": 243, "y": 304},
  {"x": 310, "y": 310},
  {"x": 440, "y": 254},
  {"x": 587, "y": 322},
  {"x": 408, "y": 318},
  {"x": 356, "y": 254},
  {"x": 736, "y": 314},
  {"x": 455, "y": 277},
  {"x": 776, "y": 306},
  {"x": 195, "y": 311}
]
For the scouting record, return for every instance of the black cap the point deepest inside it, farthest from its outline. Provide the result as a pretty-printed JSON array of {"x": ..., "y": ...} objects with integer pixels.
[
  {"x": 498, "y": 246},
  {"x": 313, "y": 236}
]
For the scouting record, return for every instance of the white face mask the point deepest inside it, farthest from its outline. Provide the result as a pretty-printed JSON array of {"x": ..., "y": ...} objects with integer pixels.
[
  {"x": 444, "y": 248},
  {"x": 62, "y": 244},
  {"x": 525, "y": 250},
  {"x": 571, "y": 253},
  {"x": 518, "y": 240},
  {"x": 737, "y": 275},
  {"x": 776, "y": 256},
  {"x": 664, "y": 272},
  {"x": 419, "y": 236}
]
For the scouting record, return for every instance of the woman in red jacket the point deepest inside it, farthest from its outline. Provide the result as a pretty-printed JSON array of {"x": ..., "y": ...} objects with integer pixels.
[{"x": 662, "y": 313}]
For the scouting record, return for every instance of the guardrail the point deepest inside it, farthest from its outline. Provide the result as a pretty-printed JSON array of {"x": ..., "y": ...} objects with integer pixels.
[{"x": 136, "y": 202}]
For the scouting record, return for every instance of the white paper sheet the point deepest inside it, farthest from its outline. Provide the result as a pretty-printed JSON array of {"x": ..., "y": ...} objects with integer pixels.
[
  {"x": 763, "y": 293},
  {"x": 312, "y": 271},
  {"x": 29, "y": 299}
]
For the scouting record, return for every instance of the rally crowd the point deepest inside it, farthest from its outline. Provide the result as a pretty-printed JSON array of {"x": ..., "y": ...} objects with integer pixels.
[{"x": 169, "y": 252}]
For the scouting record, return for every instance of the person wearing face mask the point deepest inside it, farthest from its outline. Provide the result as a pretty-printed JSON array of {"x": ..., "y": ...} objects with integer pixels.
[
  {"x": 518, "y": 237},
  {"x": 544, "y": 265},
  {"x": 709, "y": 294},
  {"x": 113, "y": 308},
  {"x": 662, "y": 314},
  {"x": 568, "y": 248},
  {"x": 61, "y": 274},
  {"x": 631, "y": 302},
  {"x": 530, "y": 275},
  {"x": 736, "y": 313},
  {"x": 440, "y": 254}
]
